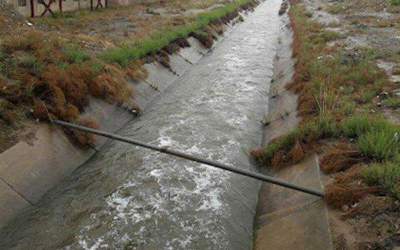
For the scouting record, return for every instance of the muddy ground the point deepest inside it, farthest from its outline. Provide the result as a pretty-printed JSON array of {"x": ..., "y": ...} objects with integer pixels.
[{"x": 374, "y": 222}]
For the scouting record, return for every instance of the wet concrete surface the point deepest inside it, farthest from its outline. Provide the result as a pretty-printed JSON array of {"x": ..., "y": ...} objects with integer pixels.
[
  {"x": 127, "y": 197},
  {"x": 288, "y": 219}
]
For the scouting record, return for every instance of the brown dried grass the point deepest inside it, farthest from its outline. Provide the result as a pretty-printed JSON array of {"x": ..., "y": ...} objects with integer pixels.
[
  {"x": 82, "y": 138},
  {"x": 338, "y": 195},
  {"x": 297, "y": 153},
  {"x": 351, "y": 175},
  {"x": 206, "y": 39},
  {"x": 136, "y": 71},
  {"x": 257, "y": 154},
  {"x": 372, "y": 206},
  {"x": 40, "y": 110},
  {"x": 279, "y": 160},
  {"x": 340, "y": 158}
]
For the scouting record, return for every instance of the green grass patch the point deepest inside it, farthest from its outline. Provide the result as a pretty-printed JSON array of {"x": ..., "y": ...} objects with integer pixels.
[
  {"x": 392, "y": 102},
  {"x": 386, "y": 175},
  {"x": 380, "y": 145},
  {"x": 354, "y": 127},
  {"x": 377, "y": 138},
  {"x": 75, "y": 55},
  {"x": 395, "y": 2}
]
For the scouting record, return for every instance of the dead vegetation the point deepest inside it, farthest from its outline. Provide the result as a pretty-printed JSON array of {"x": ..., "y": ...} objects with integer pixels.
[
  {"x": 52, "y": 80},
  {"x": 82, "y": 138},
  {"x": 340, "y": 158}
]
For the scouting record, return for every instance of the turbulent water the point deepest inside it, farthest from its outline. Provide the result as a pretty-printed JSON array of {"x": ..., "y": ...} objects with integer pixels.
[{"x": 132, "y": 198}]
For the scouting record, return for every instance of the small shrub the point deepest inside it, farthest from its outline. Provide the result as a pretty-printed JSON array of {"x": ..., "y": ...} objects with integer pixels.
[
  {"x": 339, "y": 158},
  {"x": 379, "y": 145},
  {"x": 386, "y": 175},
  {"x": 347, "y": 107},
  {"x": 30, "y": 63},
  {"x": 367, "y": 96},
  {"x": 338, "y": 195},
  {"x": 74, "y": 54}
]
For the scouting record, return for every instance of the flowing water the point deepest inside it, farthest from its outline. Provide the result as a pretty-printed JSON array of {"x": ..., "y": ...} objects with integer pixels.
[{"x": 131, "y": 198}]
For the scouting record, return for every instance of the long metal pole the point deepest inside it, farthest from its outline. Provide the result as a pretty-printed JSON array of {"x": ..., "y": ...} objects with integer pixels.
[{"x": 165, "y": 150}]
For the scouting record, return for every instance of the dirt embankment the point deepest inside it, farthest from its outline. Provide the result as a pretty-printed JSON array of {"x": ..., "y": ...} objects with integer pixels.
[
  {"x": 346, "y": 77},
  {"x": 51, "y": 67}
]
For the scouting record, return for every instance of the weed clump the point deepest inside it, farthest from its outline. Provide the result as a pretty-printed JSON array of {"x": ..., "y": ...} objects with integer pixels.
[
  {"x": 386, "y": 175},
  {"x": 7, "y": 113},
  {"x": 82, "y": 138},
  {"x": 52, "y": 80},
  {"x": 204, "y": 38},
  {"x": 292, "y": 147},
  {"x": 379, "y": 145},
  {"x": 337, "y": 195},
  {"x": 340, "y": 158}
]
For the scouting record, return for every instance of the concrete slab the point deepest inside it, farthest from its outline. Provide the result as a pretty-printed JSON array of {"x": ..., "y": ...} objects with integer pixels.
[
  {"x": 11, "y": 203},
  {"x": 33, "y": 168},
  {"x": 293, "y": 220}
]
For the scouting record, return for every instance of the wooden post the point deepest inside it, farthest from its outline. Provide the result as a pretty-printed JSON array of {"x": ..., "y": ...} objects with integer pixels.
[
  {"x": 60, "y": 5},
  {"x": 32, "y": 8}
]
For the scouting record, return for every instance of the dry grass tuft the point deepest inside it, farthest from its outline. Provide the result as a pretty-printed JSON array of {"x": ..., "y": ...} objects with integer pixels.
[
  {"x": 279, "y": 159},
  {"x": 372, "y": 206},
  {"x": 82, "y": 138},
  {"x": 350, "y": 175},
  {"x": 205, "y": 38},
  {"x": 337, "y": 195},
  {"x": 340, "y": 158},
  {"x": 136, "y": 71},
  {"x": 163, "y": 58},
  {"x": 297, "y": 153},
  {"x": 40, "y": 110},
  {"x": 8, "y": 116}
]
